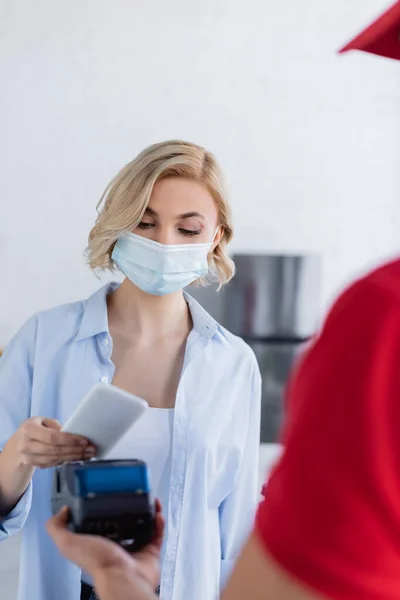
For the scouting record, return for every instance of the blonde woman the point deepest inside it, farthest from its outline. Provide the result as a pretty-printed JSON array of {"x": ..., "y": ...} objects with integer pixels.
[{"x": 164, "y": 222}]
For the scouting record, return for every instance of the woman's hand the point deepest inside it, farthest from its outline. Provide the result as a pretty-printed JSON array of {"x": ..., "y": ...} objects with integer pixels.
[
  {"x": 115, "y": 572},
  {"x": 39, "y": 442}
]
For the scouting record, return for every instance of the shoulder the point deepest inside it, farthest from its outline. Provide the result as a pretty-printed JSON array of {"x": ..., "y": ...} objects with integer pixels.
[
  {"x": 236, "y": 347},
  {"x": 44, "y": 329},
  {"x": 368, "y": 301},
  {"x": 239, "y": 368},
  {"x": 386, "y": 278},
  {"x": 60, "y": 323},
  {"x": 64, "y": 316},
  {"x": 225, "y": 346},
  {"x": 359, "y": 343}
]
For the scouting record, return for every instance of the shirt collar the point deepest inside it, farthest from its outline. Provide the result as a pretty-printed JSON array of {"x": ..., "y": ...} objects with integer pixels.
[
  {"x": 203, "y": 323},
  {"x": 95, "y": 319}
]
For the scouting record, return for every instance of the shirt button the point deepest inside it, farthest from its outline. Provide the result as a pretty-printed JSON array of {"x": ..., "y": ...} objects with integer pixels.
[
  {"x": 104, "y": 380},
  {"x": 106, "y": 341}
]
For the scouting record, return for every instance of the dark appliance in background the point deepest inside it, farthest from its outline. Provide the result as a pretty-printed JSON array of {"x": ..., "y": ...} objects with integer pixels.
[{"x": 273, "y": 303}]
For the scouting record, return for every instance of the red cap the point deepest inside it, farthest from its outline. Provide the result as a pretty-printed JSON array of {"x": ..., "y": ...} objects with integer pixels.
[{"x": 382, "y": 37}]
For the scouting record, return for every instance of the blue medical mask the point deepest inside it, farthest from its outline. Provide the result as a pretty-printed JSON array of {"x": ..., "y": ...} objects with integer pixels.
[{"x": 160, "y": 269}]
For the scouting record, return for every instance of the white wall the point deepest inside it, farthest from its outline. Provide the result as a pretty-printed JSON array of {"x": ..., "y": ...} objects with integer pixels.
[{"x": 309, "y": 140}]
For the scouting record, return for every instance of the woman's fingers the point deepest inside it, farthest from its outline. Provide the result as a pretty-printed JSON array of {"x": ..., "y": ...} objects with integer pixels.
[
  {"x": 160, "y": 526},
  {"x": 41, "y": 443},
  {"x": 34, "y": 448},
  {"x": 89, "y": 552},
  {"x": 44, "y": 458},
  {"x": 97, "y": 555},
  {"x": 37, "y": 430}
]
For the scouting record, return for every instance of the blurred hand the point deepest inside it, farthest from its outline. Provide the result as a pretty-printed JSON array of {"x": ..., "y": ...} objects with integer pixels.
[
  {"x": 39, "y": 442},
  {"x": 115, "y": 572}
]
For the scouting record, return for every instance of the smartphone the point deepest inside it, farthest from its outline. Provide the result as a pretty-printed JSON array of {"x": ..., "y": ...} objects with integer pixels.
[{"x": 105, "y": 415}]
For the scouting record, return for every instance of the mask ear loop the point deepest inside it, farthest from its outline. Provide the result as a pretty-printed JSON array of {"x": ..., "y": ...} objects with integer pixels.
[
  {"x": 210, "y": 255},
  {"x": 212, "y": 247},
  {"x": 215, "y": 233}
]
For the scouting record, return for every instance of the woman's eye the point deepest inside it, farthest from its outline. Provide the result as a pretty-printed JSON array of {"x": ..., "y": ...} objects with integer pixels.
[
  {"x": 189, "y": 231},
  {"x": 144, "y": 225}
]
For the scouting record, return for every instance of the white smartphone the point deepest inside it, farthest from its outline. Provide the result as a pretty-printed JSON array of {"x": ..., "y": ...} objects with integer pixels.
[{"x": 105, "y": 415}]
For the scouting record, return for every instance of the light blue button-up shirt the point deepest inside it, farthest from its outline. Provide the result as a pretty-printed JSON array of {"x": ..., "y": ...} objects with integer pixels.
[{"x": 51, "y": 364}]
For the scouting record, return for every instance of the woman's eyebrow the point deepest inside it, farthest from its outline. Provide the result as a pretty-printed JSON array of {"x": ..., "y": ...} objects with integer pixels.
[
  {"x": 150, "y": 211},
  {"x": 187, "y": 215}
]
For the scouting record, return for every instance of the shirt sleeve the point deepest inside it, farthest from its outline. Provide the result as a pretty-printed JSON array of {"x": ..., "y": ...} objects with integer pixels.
[
  {"x": 237, "y": 511},
  {"x": 331, "y": 513},
  {"x": 16, "y": 368}
]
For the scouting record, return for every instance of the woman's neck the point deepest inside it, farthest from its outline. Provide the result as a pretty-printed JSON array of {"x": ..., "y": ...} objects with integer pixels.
[{"x": 143, "y": 314}]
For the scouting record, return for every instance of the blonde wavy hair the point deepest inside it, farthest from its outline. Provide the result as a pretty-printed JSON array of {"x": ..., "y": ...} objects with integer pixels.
[{"x": 125, "y": 199}]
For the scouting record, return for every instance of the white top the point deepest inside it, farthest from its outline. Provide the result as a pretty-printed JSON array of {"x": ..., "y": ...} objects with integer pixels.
[{"x": 150, "y": 440}]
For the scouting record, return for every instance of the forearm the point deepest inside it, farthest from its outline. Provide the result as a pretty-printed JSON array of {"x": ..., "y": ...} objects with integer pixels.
[
  {"x": 257, "y": 576},
  {"x": 122, "y": 583},
  {"x": 14, "y": 477}
]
